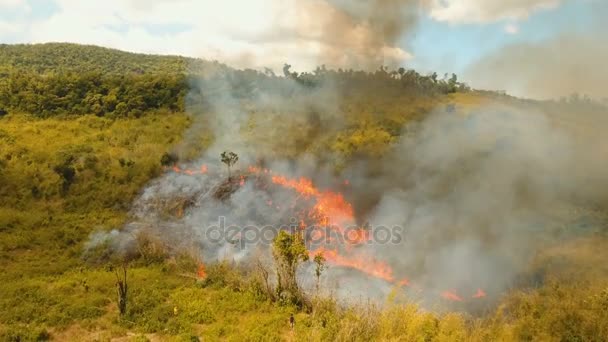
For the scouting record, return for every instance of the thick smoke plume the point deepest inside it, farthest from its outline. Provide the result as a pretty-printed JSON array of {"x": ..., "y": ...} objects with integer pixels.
[
  {"x": 476, "y": 193},
  {"x": 346, "y": 33},
  {"x": 479, "y": 195}
]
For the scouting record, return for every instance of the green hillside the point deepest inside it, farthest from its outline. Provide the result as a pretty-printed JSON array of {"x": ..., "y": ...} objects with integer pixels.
[
  {"x": 56, "y": 58},
  {"x": 83, "y": 129}
]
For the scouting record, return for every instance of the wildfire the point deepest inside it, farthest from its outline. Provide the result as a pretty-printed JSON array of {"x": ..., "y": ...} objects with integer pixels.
[
  {"x": 329, "y": 209},
  {"x": 302, "y": 186},
  {"x": 449, "y": 295},
  {"x": 404, "y": 282},
  {"x": 366, "y": 265},
  {"x": 190, "y": 172},
  {"x": 479, "y": 294},
  {"x": 200, "y": 272}
]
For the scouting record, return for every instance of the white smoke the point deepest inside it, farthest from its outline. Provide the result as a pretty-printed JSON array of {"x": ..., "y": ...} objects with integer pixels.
[{"x": 477, "y": 193}]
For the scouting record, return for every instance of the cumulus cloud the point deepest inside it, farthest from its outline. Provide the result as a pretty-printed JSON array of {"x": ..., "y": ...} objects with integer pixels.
[{"x": 485, "y": 11}]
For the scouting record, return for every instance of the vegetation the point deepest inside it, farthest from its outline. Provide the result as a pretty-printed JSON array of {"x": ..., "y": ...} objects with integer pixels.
[
  {"x": 57, "y": 58},
  {"x": 72, "y": 159},
  {"x": 320, "y": 266},
  {"x": 91, "y": 93},
  {"x": 229, "y": 159},
  {"x": 289, "y": 252}
]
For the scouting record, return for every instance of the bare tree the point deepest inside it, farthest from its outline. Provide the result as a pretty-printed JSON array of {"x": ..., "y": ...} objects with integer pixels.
[
  {"x": 122, "y": 287},
  {"x": 320, "y": 266}
]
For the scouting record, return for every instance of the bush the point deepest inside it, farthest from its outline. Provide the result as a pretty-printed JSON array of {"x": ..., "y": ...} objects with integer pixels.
[
  {"x": 223, "y": 275},
  {"x": 168, "y": 159},
  {"x": 24, "y": 334}
]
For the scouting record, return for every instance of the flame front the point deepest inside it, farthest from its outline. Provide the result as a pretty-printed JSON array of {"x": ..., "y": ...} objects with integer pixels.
[
  {"x": 330, "y": 210},
  {"x": 450, "y": 295},
  {"x": 365, "y": 265},
  {"x": 479, "y": 294},
  {"x": 200, "y": 272}
]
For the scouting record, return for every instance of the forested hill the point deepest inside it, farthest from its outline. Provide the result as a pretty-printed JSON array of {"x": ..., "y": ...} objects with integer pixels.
[
  {"x": 69, "y": 79},
  {"x": 73, "y": 58}
]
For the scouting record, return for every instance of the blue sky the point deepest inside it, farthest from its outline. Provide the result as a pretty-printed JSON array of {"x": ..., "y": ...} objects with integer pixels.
[
  {"x": 451, "y": 48},
  {"x": 450, "y": 35}
]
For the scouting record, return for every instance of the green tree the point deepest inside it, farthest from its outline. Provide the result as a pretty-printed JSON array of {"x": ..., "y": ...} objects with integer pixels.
[
  {"x": 289, "y": 251},
  {"x": 229, "y": 158},
  {"x": 453, "y": 83}
]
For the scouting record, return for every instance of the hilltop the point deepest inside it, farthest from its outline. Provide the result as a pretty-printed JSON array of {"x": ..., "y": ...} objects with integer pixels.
[{"x": 55, "y": 58}]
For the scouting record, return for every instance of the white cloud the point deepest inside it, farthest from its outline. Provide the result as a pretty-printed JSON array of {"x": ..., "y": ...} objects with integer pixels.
[
  {"x": 485, "y": 11},
  {"x": 256, "y": 33},
  {"x": 8, "y": 28},
  {"x": 252, "y": 33},
  {"x": 511, "y": 29},
  {"x": 211, "y": 27},
  {"x": 12, "y": 3}
]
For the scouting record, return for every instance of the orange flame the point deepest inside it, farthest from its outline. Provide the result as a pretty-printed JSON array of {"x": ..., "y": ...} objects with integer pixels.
[
  {"x": 366, "y": 265},
  {"x": 303, "y": 186},
  {"x": 404, "y": 282},
  {"x": 330, "y": 208},
  {"x": 190, "y": 172},
  {"x": 449, "y": 295},
  {"x": 200, "y": 272},
  {"x": 479, "y": 294}
]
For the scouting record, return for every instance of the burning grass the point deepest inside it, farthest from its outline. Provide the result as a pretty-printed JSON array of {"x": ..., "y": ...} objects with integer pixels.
[
  {"x": 47, "y": 289},
  {"x": 313, "y": 208}
]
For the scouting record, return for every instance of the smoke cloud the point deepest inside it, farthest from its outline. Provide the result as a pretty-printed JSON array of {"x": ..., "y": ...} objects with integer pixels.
[
  {"x": 572, "y": 62},
  {"x": 344, "y": 33},
  {"x": 477, "y": 193},
  {"x": 480, "y": 195}
]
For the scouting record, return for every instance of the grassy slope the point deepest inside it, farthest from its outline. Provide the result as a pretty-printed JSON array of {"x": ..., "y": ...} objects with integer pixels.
[
  {"x": 43, "y": 284},
  {"x": 46, "y": 286}
]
